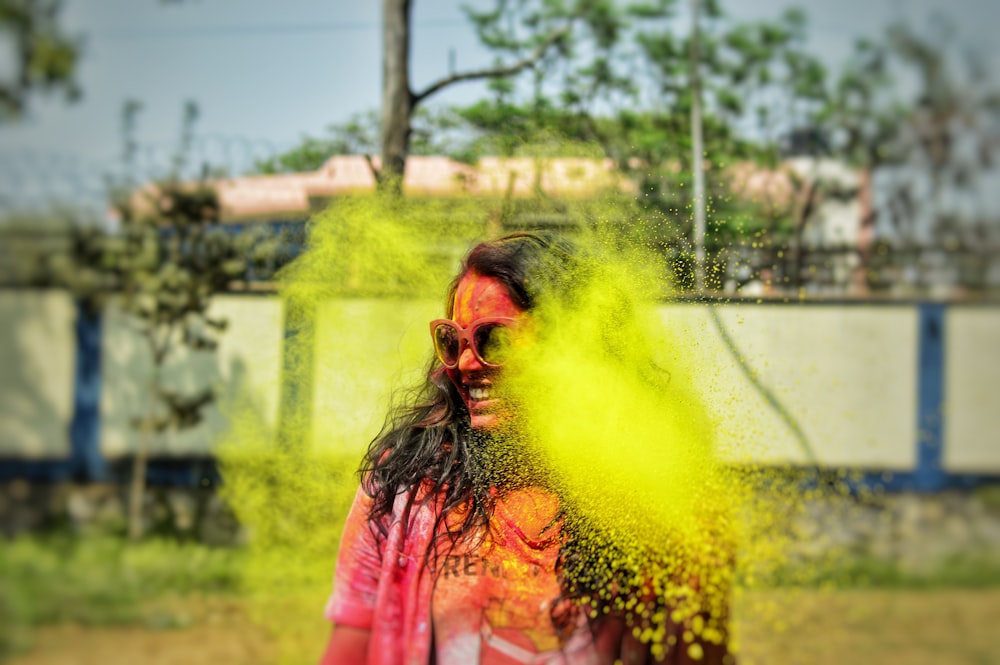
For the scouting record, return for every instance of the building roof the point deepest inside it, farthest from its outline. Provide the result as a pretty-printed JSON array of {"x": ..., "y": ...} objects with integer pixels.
[{"x": 256, "y": 196}]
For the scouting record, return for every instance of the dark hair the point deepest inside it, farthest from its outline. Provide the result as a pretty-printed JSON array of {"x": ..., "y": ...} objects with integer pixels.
[{"x": 430, "y": 440}]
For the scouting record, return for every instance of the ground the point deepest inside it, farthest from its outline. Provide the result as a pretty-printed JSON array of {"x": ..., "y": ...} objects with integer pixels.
[
  {"x": 189, "y": 631},
  {"x": 939, "y": 627}
]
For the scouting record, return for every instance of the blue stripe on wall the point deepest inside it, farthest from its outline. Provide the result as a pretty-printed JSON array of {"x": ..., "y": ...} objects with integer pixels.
[
  {"x": 86, "y": 462},
  {"x": 928, "y": 475}
]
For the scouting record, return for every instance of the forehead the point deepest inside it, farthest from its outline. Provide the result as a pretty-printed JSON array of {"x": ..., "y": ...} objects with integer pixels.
[{"x": 481, "y": 297}]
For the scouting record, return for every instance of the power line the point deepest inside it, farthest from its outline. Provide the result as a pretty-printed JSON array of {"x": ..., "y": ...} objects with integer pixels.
[{"x": 124, "y": 34}]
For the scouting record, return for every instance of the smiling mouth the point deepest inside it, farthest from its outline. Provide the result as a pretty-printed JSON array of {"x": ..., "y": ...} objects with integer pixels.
[{"x": 479, "y": 394}]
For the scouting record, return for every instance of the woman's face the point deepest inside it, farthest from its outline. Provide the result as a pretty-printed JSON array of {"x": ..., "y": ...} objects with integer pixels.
[{"x": 480, "y": 297}]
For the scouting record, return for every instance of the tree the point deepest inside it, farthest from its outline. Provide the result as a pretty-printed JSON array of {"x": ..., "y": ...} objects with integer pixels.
[
  {"x": 748, "y": 77},
  {"x": 45, "y": 57},
  {"x": 713, "y": 85},
  {"x": 545, "y": 27},
  {"x": 932, "y": 175},
  {"x": 574, "y": 89},
  {"x": 172, "y": 258},
  {"x": 164, "y": 265},
  {"x": 359, "y": 135},
  {"x": 623, "y": 78},
  {"x": 926, "y": 157}
]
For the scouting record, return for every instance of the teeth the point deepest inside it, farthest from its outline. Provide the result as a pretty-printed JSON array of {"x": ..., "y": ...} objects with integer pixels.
[{"x": 479, "y": 394}]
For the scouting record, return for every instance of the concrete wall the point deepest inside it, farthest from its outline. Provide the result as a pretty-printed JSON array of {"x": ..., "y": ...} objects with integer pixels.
[
  {"x": 366, "y": 352},
  {"x": 972, "y": 390},
  {"x": 37, "y": 357},
  {"x": 845, "y": 374},
  {"x": 245, "y": 370},
  {"x": 841, "y": 381}
]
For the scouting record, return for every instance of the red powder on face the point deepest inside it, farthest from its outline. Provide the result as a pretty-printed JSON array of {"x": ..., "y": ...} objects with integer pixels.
[{"x": 479, "y": 297}]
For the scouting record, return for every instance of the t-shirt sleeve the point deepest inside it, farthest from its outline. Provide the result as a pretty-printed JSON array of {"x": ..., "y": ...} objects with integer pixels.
[{"x": 359, "y": 561}]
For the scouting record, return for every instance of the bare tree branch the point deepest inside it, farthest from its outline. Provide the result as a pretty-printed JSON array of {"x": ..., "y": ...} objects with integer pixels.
[
  {"x": 496, "y": 72},
  {"x": 376, "y": 173}
]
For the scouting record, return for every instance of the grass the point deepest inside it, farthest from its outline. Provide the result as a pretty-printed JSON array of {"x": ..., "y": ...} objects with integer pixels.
[
  {"x": 107, "y": 581},
  {"x": 102, "y": 581},
  {"x": 972, "y": 570}
]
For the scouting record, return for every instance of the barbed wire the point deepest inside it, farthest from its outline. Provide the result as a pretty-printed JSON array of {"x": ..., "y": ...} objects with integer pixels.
[{"x": 35, "y": 181}]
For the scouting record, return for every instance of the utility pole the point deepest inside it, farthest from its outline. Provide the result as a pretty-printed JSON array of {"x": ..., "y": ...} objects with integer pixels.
[{"x": 697, "y": 151}]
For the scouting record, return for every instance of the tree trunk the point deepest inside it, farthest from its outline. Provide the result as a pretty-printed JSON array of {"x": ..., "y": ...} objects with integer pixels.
[
  {"x": 140, "y": 463},
  {"x": 397, "y": 99}
]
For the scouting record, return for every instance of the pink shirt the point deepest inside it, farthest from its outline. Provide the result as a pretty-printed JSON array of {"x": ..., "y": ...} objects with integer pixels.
[
  {"x": 490, "y": 602},
  {"x": 386, "y": 585},
  {"x": 496, "y": 592},
  {"x": 381, "y": 583}
]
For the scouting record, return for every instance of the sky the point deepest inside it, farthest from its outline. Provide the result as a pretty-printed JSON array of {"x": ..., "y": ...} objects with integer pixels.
[{"x": 266, "y": 73}]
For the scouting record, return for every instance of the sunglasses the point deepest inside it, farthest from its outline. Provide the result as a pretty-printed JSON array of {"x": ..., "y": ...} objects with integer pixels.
[{"x": 489, "y": 339}]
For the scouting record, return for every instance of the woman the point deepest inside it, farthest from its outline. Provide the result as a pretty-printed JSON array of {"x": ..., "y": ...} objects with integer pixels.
[{"x": 458, "y": 548}]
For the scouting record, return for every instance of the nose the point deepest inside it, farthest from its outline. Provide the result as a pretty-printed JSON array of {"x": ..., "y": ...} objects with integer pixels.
[{"x": 468, "y": 362}]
